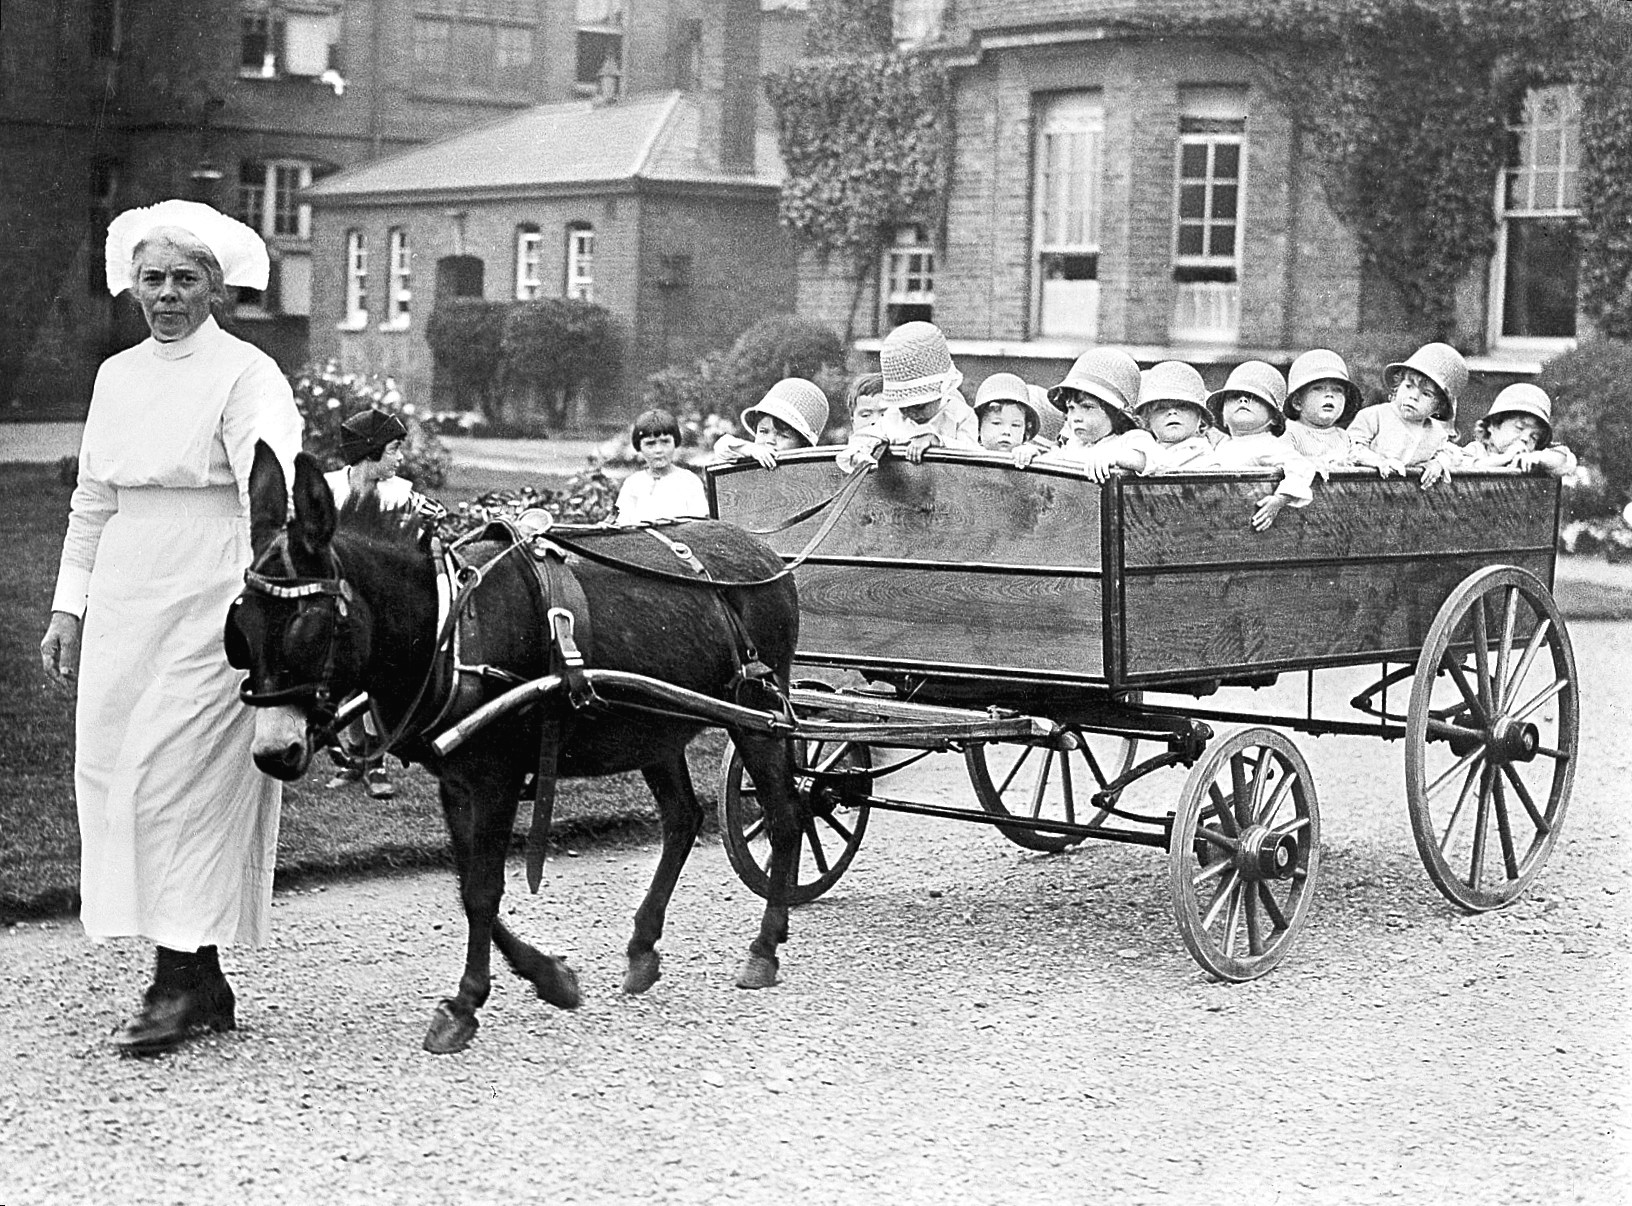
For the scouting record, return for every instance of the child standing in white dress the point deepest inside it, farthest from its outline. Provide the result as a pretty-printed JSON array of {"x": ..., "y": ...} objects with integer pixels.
[{"x": 662, "y": 490}]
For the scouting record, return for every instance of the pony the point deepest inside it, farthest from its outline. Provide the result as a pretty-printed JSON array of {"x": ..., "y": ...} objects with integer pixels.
[{"x": 347, "y": 601}]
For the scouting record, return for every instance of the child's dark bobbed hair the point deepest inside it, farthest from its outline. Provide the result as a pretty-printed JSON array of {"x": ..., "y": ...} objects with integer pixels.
[{"x": 654, "y": 422}]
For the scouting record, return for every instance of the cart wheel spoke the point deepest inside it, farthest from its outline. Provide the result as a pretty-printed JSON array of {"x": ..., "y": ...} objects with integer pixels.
[
  {"x": 1510, "y": 615},
  {"x": 1470, "y": 693},
  {"x": 1461, "y": 802},
  {"x": 1539, "y": 821},
  {"x": 1534, "y": 646},
  {"x": 1481, "y": 824},
  {"x": 1481, "y": 657},
  {"x": 1504, "y": 830},
  {"x": 1267, "y": 898},
  {"x": 815, "y": 844},
  {"x": 1010, "y": 782},
  {"x": 1471, "y": 759},
  {"x": 1238, "y": 900},
  {"x": 1547, "y": 695}
]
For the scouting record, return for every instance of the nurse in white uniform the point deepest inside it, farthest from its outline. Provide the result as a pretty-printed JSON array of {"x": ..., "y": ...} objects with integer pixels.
[{"x": 178, "y": 830}]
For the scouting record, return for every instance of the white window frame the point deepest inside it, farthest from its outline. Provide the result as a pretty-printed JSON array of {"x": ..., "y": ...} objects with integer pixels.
[
  {"x": 258, "y": 204},
  {"x": 608, "y": 17},
  {"x": 1518, "y": 198},
  {"x": 1209, "y": 311},
  {"x": 581, "y": 261},
  {"x": 289, "y": 35},
  {"x": 908, "y": 270},
  {"x": 356, "y": 281},
  {"x": 399, "y": 296},
  {"x": 1068, "y": 167},
  {"x": 529, "y": 263}
]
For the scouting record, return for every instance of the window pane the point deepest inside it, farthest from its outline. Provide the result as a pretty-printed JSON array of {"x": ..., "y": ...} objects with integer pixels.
[
  {"x": 1545, "y": 191},
  {"x": 1190, "y": 240},
  {"x": 1193, "y": 161},
  {"x": 594, "y": 49},
  {"x": 1222, "y": 241},
  {"x": 252, "y": 194},
  {"x": 1227, "y": 161},
  {"x": 1193, "y": 201},
  {"x": 1540, "y": 286},
  {"x": 1224, "y": 197}
]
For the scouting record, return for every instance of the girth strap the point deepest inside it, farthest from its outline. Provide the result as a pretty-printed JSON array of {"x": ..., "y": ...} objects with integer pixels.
[{"x": 567, "y": 621}]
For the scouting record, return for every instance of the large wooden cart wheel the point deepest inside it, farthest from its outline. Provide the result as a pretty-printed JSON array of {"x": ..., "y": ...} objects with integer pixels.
[
  {"x": 833, "y": 783},
  {"x": 1244, "y": 853},
  {"x": 1490, "y": 738},
  {"x": 1053, "y": 782}
]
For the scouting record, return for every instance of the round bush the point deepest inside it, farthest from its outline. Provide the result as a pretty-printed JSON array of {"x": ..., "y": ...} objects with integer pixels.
[
  {"x": 1588, "y": 387},
  {"x": 782, "y": 345}
]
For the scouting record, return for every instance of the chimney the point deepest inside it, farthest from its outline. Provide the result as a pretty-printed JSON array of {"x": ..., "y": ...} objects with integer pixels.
[{"x": 729, "y": 87}]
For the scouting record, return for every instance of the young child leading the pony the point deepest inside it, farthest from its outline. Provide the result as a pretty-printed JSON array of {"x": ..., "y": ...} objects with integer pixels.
[{"x": 347, "y": 601}]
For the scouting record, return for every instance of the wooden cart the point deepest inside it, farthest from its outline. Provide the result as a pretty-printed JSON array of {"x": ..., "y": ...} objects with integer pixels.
[{"x": 1024, "y": 617}]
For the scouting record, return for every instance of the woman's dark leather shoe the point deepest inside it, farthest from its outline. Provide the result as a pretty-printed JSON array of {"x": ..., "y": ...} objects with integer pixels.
[{"x": 189, "y": 995}]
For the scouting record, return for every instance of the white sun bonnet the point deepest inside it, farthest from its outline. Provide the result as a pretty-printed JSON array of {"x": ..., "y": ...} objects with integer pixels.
[{"x": 237, "y": 248}]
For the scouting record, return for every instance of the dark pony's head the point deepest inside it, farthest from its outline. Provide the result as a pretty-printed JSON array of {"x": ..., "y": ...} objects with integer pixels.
[{"x": 299, "y": 629}]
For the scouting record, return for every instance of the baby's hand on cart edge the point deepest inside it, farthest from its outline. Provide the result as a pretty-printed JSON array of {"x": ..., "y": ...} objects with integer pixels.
[
  {"x": 763, "y": 454},
  {"x": 918, "y": 445},
  {"x": 1025, "y": 454},
  {"x": 1434, "y": 472},
  {"x": 59, "y": 649},
  {"x": 1387, "y": 466},
  {"x": 1264, "y": 517}
]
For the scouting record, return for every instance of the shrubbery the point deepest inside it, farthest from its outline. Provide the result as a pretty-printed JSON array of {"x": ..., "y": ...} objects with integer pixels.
[
  {"x": 327, "y": 397},
  {"x": 521, "y": 364},
  {"x": 1589, "y": 388},
  {"x": 708, "y": 395},
  {"x": 588, "y": 497}
]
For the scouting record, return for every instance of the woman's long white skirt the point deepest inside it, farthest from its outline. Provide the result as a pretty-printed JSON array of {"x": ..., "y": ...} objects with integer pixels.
[{"x": 178, "y": 829}]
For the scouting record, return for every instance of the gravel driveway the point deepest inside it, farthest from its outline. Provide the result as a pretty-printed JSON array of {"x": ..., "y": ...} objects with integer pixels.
[{"x": 959, "y": 1020}]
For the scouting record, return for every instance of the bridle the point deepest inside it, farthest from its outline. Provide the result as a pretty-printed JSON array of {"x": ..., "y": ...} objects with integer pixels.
[{"x": 308, "y": 592}]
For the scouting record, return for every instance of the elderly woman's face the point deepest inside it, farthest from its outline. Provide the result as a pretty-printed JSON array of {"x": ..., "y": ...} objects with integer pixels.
[{"x": 173, "y": 287}]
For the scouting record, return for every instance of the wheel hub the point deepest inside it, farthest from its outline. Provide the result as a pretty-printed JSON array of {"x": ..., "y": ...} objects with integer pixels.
[
  {"x": 1514, "y": 742},
  {"x": 1266, "y": 854}
]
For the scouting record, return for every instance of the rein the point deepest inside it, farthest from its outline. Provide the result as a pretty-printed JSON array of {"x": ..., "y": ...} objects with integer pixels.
[{"x": 337, "y": 591}]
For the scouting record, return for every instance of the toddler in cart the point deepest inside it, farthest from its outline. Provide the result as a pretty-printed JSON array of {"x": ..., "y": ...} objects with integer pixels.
[
  {"x": 1321, "y": 402},
  {"x": 1415, "y": 427},
  {"x": 1248, "y": 408},
  {"x": 1517, "y": 432},
  {"x": 1173, "y": 408},
  {"x": 663, "y": 489},
  {"x": 792, "y": 414},
  {"x": 1096, "y": 396},
  {"x": 1011, "y": 422},
  {"x": 923, "y": 408}
]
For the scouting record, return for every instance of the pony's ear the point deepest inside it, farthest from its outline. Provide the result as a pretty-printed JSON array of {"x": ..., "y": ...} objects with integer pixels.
[
  {"x": 268, "y": 498},
  {"x": 313, "y": 525}
]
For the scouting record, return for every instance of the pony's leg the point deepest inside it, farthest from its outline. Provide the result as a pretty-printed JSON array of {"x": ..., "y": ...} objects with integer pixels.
[
  {"x": 670, "y": 781},
  {"x": 480, "y": 815},
  {"x": 551, "y": 979},
  {"x": 766, "y": 759}
]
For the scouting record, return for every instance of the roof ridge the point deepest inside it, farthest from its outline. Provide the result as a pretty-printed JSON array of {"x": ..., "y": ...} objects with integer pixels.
[{"x": 644, "y": 154}]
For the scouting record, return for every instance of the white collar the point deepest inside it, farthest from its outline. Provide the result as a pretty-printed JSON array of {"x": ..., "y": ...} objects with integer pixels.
[{"x": 180, "y": 349}]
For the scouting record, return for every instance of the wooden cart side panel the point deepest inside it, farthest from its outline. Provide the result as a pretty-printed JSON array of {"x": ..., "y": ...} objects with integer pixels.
[
  {"x": 1363, "y": 570},
  {"x": 932, "y": 618},
  {"x": 955, "y": 509},
  {"x": 1174, "y": 522}
]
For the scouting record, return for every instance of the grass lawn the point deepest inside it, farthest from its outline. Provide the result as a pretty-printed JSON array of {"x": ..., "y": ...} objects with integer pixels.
[{"x": 323, "y": 833}]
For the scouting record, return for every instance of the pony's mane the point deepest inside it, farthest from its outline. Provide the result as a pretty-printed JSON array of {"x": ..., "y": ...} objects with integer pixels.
[{"x": 399, "y": 527}]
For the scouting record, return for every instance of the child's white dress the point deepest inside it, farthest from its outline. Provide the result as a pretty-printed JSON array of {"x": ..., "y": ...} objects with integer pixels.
[
  {"x": 1170, "y": 458},
  {"x": 678, "y": 494},
  {"x": 1263, "y": 450}
]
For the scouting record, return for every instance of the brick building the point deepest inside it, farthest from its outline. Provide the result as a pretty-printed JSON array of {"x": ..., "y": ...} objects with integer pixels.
[
  {"x": 1108, "y": 186},
  {"x": 107, "y": 104},
  {"x": 631, "y": 205}
]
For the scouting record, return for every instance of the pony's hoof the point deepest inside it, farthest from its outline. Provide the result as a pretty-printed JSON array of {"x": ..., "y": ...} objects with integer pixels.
[
  {"x": 449, "y": 1031},
  {"x": 558, "y": 986},
  {"x": 644, "y": 971},
  {"x": 758, "y": 972}
]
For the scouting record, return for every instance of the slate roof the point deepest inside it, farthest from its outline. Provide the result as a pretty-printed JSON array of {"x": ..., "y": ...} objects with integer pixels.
[{"x": 651, "y": 137}]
